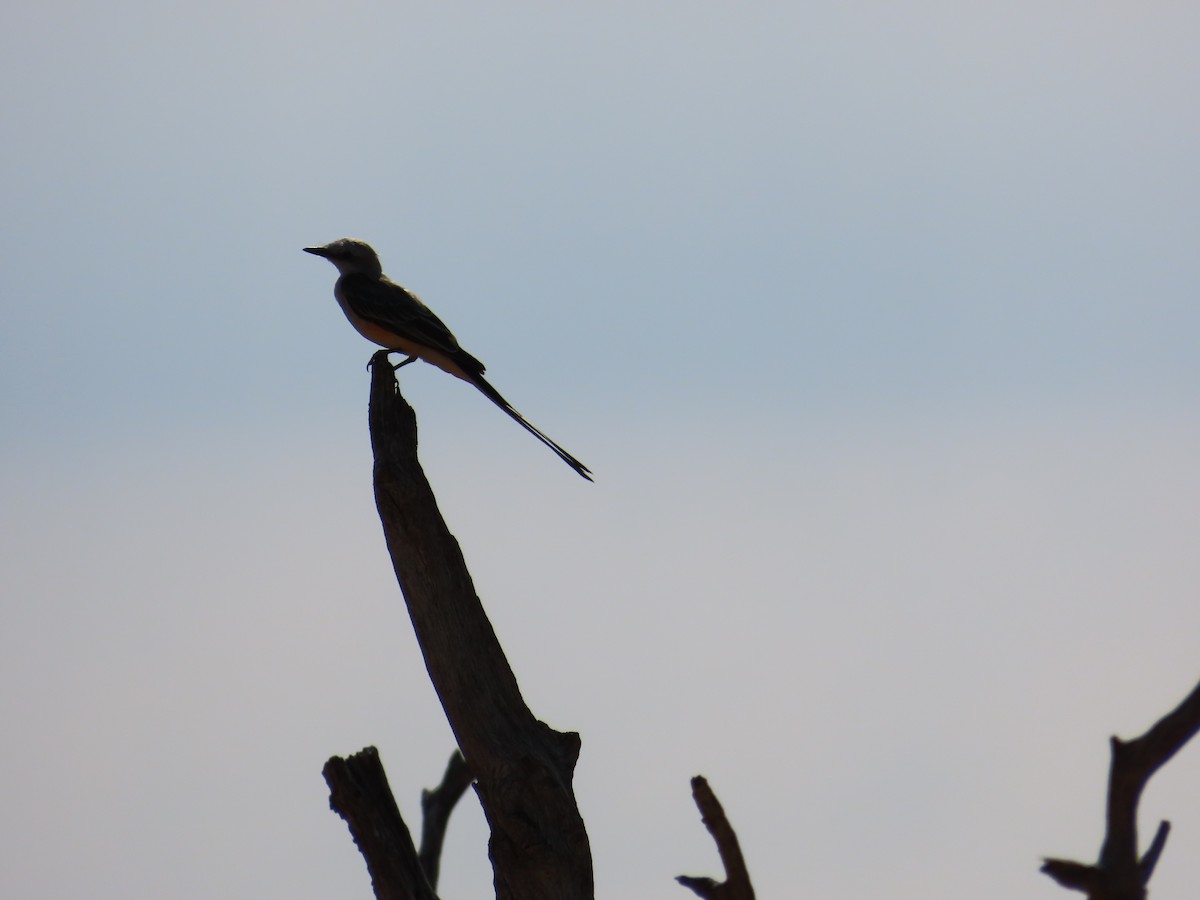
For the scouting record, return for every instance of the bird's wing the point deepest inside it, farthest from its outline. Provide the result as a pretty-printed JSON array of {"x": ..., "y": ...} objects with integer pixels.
[{"x": 388, "y": 305}]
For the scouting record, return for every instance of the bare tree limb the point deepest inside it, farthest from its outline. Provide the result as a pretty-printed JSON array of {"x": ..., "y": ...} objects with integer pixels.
[
  {"x": 436, "y": 806},
  {"x": 736, "y": 885},
  {"x": 1073, "y": 875},
  {"x": 359, "y": 793},
  {"x": 522, "y": 767},
  {"x": 1120, "y": 874},
  {"x": 1150, "y": 858}
]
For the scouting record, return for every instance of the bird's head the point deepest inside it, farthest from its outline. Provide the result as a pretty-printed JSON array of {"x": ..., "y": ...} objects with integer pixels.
[{"x": 350, "y": 256}]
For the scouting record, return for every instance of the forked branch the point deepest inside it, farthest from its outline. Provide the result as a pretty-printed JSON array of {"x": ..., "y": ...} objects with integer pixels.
[
  {"x": 523, "y": 769},
  {"x": 436, "y": 806},
  {"x": 1120, "y": 874},
  {"x": 736, "y": 885}
]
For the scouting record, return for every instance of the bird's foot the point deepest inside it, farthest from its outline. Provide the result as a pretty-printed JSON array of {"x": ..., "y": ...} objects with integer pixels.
[{"x": 380, "y": 357}]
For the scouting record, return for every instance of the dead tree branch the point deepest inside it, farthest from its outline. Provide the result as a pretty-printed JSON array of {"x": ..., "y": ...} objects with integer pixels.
[
  {"x": 359, "y": 793},
  {"x": 523, "y": 768},
  {"x": 436, "y": 806},
  {"x": 1120, "y": 874},
  {"x": 736, "y": 885}
]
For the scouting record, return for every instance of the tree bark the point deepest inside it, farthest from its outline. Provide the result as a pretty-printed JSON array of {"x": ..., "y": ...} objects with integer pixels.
[
  {"x": 522, "y": 767},
  {"x": 359, "y": 793}
]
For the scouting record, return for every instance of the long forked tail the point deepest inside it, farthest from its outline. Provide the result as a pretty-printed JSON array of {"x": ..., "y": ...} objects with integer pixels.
[{"x": 494, "y": 395}]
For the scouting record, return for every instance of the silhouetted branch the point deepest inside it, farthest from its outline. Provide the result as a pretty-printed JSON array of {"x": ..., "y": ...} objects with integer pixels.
[
  {"x": 436, "y": 806},
  {"x": 523, "y": 768},
  {"x": 1077, "y": 876},
  {"x": 359, "y": 793},
  {"x": 1120, "y": 874},
  {"x": 1150, "y": 857},
  {"x": 736, "y": 885}
]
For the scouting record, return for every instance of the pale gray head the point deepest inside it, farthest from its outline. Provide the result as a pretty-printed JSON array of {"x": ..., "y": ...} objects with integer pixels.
[{"x": 350, "y": 256}]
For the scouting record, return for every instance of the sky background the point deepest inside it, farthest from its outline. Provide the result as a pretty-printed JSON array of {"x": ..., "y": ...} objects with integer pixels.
[{"x": 877, "y": 323}]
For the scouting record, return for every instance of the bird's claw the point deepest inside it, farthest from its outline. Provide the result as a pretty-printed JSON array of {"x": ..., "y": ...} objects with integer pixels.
[{"x": 382, "y": 355}]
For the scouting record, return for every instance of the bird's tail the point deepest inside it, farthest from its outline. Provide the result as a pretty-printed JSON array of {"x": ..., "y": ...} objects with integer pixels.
[{"x": 494, "y": 395}]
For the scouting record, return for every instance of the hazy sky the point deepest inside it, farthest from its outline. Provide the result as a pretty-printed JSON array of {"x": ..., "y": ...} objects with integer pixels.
[{"x": 877, "y": 323}]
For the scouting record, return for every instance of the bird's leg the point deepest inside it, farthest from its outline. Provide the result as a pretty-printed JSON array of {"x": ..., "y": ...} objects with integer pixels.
[{"x": 404, "y": 362}]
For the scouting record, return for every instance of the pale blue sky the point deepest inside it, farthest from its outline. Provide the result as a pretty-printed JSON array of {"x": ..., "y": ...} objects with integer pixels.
[{"x": 876, "y": 322}]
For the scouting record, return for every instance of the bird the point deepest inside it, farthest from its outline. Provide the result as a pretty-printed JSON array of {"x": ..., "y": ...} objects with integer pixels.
[{"x": 394, "y": 318}]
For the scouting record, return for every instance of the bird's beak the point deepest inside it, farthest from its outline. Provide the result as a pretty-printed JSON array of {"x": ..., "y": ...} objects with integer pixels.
[{"x": 317, "y": 251}]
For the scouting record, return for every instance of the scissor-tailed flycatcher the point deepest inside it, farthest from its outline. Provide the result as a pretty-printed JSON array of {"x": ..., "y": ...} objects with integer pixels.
[{"x": 384, "y": 312}]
